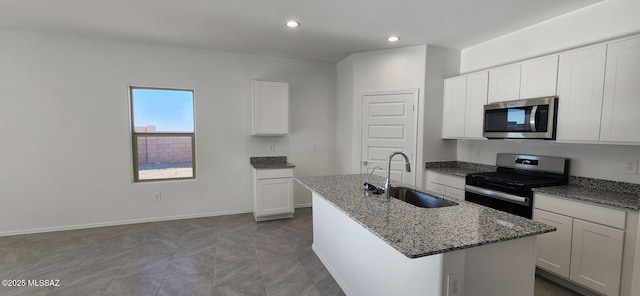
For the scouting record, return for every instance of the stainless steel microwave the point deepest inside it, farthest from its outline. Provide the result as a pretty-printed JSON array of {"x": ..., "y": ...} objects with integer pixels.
[{"x": 521, "y": 119}]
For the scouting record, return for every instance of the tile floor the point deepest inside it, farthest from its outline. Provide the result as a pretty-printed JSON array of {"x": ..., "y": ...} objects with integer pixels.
[
  {"x": 217, "y": 256},
  {"x": 546, "y": 287}
]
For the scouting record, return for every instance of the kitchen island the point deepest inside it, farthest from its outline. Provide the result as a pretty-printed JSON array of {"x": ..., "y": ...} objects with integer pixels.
[{"x": 372, "y": 247}]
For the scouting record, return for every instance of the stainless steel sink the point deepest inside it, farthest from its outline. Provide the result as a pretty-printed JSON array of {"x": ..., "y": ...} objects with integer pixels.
[{"x": 419, "y": 199}]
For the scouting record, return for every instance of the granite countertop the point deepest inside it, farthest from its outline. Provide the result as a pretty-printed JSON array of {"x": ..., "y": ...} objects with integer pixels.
[
  {"x": 417, "y": 232},
  {"x": 603, "y": 192},
  {"x": 595, "y": 191},
  {"x": 270, "y": 162},
  {"x": 458, "y": 168}
]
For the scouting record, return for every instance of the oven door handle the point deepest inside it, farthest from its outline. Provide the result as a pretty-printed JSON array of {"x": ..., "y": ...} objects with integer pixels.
[{"x": 499, "y": 195}]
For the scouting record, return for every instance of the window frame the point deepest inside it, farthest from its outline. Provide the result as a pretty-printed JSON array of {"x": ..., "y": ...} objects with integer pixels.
[{"x": 135, "y": 135}]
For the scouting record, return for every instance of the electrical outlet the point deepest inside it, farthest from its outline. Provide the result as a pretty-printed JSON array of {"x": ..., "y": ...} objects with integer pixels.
[
  {"x": 314, "y": 147},
  {"x": 631, "y": 167},
  {"x": 476, "y": 153},
  {"x": 454, "y": 285},
  {"x": 157, "y": 197},
  {"x": 271, "y": 147}
]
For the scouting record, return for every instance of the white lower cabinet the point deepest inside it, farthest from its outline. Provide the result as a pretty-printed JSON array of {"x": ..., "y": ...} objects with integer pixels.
[
  {"x": 273, "y": 194},
  {"x": 596, "y": 256},
  {"x": 586, "y": 248},
  {"x": 553, "y": 250},
  {"x": 447, "y": 185}
]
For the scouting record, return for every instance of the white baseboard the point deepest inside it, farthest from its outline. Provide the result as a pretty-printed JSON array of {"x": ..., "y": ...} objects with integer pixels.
[
  {"x": 121, "y": 222},
  {"x": 307, "y": 205}
]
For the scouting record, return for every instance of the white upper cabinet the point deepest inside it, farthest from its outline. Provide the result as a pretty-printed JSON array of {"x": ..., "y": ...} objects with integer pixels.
[
  {"x": 539, "y": 78},
  {"x": 477, "y": 85},
  {"x": 621, "y": 101},
  {"x": 532, "y": 79},
  {"x": 504, "y": 84},
  {"x": 453, "y": 117},
  {"x": 270, "y": 108},
  {"x": 463, "y": 106},
  {"x": 580, "y": 87},
  {"x": 598, "y": 90}
]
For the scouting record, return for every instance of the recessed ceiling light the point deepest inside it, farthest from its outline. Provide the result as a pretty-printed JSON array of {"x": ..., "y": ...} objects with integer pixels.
[
  {"x": 393, "y": 38},
  {"x": 292, "y": 24}
]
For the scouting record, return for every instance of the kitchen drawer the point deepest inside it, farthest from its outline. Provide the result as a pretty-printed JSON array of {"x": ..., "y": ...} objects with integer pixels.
[
  {"x": 581, "y": 210},
  {"x": 438, "y": 188},
  {"x": 455, "y": 193},
  {"x": 274, "y": 173},
  {"x": 448, "y": 180}
]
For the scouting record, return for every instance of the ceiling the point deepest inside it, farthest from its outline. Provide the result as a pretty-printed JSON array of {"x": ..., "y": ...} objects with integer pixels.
[{"x": 330, "y": 29}]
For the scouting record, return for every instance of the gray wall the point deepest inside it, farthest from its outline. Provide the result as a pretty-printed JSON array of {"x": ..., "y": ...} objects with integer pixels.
[{"x": 66, "y": 151}]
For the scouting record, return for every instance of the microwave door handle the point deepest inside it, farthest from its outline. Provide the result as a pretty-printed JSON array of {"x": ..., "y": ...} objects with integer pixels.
[{"x": 532, "y": 118}]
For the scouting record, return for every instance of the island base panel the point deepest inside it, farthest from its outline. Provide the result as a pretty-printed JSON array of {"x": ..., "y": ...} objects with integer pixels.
[{"x": 364, "y": 264}]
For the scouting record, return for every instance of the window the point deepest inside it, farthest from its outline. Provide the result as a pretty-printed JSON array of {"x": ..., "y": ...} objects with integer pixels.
[{"x": 163, "y": 136}]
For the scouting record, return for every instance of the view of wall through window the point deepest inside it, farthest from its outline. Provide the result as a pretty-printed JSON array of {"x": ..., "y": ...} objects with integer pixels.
[{"x": 163, "y": 134}]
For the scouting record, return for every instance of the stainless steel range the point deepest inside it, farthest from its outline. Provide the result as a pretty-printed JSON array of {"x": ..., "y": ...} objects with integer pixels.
[{"x": 509, "y": 189}]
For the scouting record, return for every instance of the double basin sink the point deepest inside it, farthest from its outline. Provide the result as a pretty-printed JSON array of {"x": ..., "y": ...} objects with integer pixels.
[{"x": 419, "y": 199}]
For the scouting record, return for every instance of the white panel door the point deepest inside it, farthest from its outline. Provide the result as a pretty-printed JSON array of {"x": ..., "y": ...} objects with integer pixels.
[
  {"x": 596, "y": 256},
  {"x": 504, "y": 84},
  {"x": 453, "y": 116},
  {"x": 621, "y": 101},
  {"x": 580, "y": 87},
  {"x": 477, "y": 92},
  {"x": 553, "y": 250},
  {"x": 539, "y": 78},
  {"x": 389, "y": 125}
]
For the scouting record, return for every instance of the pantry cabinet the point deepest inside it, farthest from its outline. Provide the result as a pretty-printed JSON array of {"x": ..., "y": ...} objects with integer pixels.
[
  {"x": 270, "y": 108},
  {"x": 463, "y": 106},
  {"x": 580, "y": 88},
  {"x": 587, "y": 247},
  {"x": 621, "y": 100}
]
